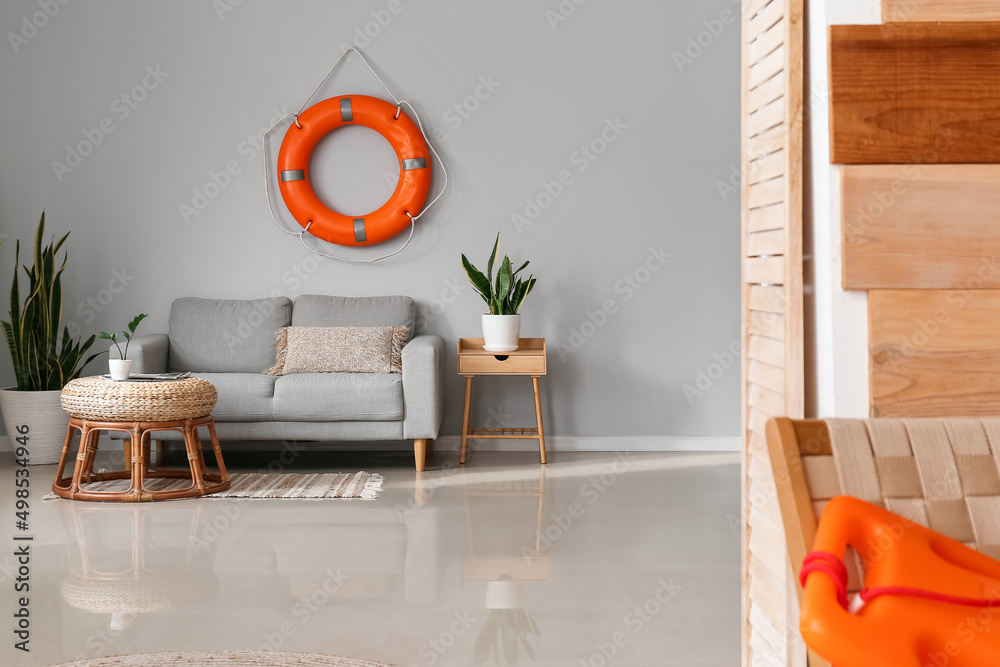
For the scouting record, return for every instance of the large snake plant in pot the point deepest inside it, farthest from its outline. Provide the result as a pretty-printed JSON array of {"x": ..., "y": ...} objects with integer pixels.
[
  {"x": 44, "y": 360},
  {"x": 504, "y": 296}
]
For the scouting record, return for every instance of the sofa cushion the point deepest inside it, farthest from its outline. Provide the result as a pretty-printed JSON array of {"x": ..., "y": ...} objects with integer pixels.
[
  {"x": 339, "y": 350},
  {"x": 314, "y": 310},
  {"x": 338, "y": 397},
  {"x": 225, "y": 336},
  {"x": 243, "y": 397}
]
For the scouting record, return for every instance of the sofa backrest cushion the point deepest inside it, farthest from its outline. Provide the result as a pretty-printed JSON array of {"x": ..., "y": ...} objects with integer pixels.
[
  {"x": 225, "y": 335},
  {"x": 315, "y": 310}
]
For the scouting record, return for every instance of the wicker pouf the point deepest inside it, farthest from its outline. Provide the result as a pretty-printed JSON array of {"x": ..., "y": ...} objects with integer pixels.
[
  {"x": 97, "y": 399},
  {"x": 138, "y": 409}
]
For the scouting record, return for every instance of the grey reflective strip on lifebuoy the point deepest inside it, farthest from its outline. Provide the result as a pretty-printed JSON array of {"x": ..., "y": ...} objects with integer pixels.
[
  {"x": 346, "y": 113},
  {"x": 359, "y": 230},
  {"x": 415, "y": 163},
  {"x": 293, "y": 175}
]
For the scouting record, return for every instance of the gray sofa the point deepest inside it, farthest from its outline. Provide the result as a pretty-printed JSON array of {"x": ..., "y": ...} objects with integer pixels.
[{"x": 231, "y": 342}]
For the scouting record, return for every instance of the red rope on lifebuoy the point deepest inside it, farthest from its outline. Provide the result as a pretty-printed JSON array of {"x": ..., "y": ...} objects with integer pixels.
[{"x": 833, "y": 567}]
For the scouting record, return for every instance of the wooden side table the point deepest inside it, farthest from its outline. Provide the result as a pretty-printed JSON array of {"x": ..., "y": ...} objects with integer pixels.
[{"x": 528, "y": 359}]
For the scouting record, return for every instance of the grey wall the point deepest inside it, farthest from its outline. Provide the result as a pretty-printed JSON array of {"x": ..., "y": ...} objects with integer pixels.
[{"x": 227, "y": 67}]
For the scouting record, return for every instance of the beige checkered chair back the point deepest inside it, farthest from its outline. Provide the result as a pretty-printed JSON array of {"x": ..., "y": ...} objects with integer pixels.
[{"x": 941, "y": 473}]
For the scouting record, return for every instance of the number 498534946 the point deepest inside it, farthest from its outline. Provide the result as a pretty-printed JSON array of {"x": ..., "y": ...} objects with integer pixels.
[{"x": 21, "y": 448}]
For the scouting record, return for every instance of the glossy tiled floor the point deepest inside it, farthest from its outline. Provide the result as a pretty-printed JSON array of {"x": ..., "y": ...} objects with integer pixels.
[{"x": 630, "y": 556}]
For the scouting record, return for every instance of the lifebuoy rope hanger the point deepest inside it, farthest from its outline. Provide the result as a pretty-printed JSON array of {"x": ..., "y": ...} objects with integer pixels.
[{"x": 291, "y": 171}]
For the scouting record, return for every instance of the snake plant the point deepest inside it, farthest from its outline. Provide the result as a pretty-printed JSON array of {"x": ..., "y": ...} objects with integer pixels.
[
  {"x": 43, "y": 360},
  {"x": 504, "y": 295}
]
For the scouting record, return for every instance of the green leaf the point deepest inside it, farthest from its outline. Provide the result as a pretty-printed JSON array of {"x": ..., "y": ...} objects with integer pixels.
[
  {"x": 477, "y": 279},
  {"x": 504, "y": 279},
  {"x": 135, "y": 321},
  {"x": 493, "y": 257},
  {"x": 526, "y": 288}
]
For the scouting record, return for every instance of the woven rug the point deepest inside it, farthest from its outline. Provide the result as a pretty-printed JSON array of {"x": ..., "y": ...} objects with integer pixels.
[
  {"x": 363, "y": 485},
  {"x": 224, "y": 659}
]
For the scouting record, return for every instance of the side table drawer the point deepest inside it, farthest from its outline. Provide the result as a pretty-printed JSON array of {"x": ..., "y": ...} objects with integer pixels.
[{"x": 525, "y": 364}]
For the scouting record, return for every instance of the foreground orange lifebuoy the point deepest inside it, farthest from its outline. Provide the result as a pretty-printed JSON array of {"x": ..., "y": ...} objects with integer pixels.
[
  {"x": 929, "y": 600},
  {"x": 414, "y": 170}
]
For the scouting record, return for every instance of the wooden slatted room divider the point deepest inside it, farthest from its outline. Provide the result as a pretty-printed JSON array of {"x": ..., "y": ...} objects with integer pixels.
[{"x": 773, "y": 382}]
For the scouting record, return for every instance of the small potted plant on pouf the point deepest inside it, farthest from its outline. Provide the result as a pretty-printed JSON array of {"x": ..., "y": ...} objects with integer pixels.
[
  {"x": 119, "y": 368},
  {"x": 44, "y": 360},
  {"x": 504, "y": 296}
]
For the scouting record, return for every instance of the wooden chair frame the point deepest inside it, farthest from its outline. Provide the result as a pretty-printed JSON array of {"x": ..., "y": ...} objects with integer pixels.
[{"x": 788, "y": 440}]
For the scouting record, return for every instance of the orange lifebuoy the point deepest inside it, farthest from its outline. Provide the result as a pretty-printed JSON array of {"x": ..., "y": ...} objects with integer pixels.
[
  {"x": 929, "y": 600},
  {"x": 398, "y": 129}
]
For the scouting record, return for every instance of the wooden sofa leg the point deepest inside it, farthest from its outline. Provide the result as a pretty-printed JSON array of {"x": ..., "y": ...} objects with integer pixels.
[{"x": 420, "y": 453}]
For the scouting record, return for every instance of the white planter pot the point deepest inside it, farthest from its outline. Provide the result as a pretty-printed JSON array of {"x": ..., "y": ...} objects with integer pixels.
[
  {"x": 119, "y": 368},
  {"x": 39, "y": 416},
  {"x": 501, "y": 333},
  {"x": 504, "y": 594}
]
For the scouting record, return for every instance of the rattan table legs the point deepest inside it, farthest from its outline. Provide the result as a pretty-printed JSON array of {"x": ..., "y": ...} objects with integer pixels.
[{"x": 137, "y": 457}]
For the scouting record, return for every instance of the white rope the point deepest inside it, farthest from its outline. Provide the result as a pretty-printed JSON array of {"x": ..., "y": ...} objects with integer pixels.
[
  {"x": 399, "y": 104},
  {"x": 444, "y": 171}
]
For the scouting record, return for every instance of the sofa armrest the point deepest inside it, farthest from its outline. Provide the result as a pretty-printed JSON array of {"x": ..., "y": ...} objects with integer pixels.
[
  {"x": 423, "y": 387},
  {"x": 148, "y": 353}
]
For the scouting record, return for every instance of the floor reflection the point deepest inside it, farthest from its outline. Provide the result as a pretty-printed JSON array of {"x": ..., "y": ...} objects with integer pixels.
[
  {"x": 129, "y": 560},
  {"x": 508, "y": 633},
  {"x": 502, "y": 561}
]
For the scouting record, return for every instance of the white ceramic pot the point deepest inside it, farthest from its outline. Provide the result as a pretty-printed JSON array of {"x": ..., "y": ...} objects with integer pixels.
[
  {"x": 37, "y": 416},
  {"x": 119, "y": 368},
  {"x": 504, "y": 594},
  {"x": 501, "y": 333}
]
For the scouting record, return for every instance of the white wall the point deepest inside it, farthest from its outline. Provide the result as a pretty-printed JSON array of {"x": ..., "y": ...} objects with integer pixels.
[
  {"x": 837, "y": 321},
  {"x": 562, "y": 71}
]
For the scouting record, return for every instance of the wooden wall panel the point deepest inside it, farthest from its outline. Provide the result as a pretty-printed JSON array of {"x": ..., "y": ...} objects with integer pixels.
[
  {"x": 915, "y": 92},
  {"x": 772, "y": 311},
  {"x": 934, "y": 352},
  {"x": 920, "y": 227},
  {"x": 940, "y": 10}
]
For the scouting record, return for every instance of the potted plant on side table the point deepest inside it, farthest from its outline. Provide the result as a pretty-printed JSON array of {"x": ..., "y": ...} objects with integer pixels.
[
  {"x": 504, "y": 296},
  {"x": 119, "y": 368},
  {"x": 43, "y": 360}
]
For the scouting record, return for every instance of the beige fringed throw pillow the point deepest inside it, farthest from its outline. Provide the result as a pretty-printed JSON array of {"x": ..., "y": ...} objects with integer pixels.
[{"x": 339, "y": 350}]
